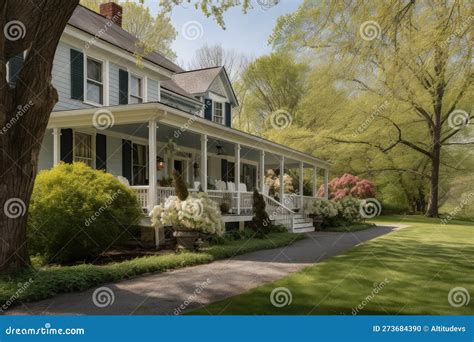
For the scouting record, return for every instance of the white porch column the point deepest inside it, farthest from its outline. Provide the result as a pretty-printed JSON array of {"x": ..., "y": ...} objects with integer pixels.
[
  {"x": 301, "y": 185},
  {"x": 204, "y": 162},
  {"x": 315, "y": 181},
  {"x": 261, "y": 171},
  {"x": 237, "y": 175},
  {"x": 56, "y": 146},
  {"x": 151, "y": 164},
  {"x": 282, "y": 172},
  {"x": 326, "y": 183}
]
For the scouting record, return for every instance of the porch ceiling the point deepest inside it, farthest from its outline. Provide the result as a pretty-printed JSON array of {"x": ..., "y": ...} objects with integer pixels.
[{"x": 164, "y": 114}]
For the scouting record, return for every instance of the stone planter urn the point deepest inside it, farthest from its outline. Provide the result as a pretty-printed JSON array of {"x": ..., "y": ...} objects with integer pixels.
[{"x": 186, "y": 239}]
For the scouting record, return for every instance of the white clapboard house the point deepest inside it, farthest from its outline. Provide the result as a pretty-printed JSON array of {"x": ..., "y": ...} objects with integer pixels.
[{"x": 119, "y": 112}]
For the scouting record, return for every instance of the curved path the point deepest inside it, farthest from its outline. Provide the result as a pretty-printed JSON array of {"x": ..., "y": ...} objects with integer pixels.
[{"x": 192, "y": 287}]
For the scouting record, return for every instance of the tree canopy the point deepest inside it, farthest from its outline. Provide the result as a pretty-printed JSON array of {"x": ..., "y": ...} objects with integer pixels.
[
  {"x": 154, "y": 33},
  {"x": 388, "y": 94}
]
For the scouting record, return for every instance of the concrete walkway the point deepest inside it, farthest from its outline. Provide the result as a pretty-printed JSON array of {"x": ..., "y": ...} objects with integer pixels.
[{"x": 193, "y": 287}]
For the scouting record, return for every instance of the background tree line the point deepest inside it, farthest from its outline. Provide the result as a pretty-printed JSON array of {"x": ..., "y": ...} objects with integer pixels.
[{"x": 370, "y": 86}]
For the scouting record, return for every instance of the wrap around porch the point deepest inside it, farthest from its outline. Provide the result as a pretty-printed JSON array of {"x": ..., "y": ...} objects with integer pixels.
[{"x": 225, "y": 163}]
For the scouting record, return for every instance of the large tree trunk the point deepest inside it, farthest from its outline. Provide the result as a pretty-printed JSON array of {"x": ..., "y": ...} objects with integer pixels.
[
  {"x": 432, "y": 210},
  {"x": 434, "y": 183},
  {"x": 20, "y": 146},
  {"x": 24, "y": 114}
]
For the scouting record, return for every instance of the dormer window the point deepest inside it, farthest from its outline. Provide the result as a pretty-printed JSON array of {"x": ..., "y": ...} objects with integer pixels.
[
  {"x": 136, "y": 89},
  {"x": 218, "y": 115}
]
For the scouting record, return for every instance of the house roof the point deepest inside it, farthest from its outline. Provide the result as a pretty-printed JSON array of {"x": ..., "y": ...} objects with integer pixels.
[
  {"x": 184, "y": 83},
  {"x": 171, "y": 86},
  {"x": 197, "y": 81},
  {"x": 91, "y": 22},
  {"x": 82, "y": 116}
]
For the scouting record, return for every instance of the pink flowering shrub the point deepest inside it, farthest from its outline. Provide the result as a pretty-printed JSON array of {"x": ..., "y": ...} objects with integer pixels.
[{"x": 349, "y": 185}]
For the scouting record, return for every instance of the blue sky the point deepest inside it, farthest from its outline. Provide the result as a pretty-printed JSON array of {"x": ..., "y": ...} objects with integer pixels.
[{"x": 247, "y": 33}]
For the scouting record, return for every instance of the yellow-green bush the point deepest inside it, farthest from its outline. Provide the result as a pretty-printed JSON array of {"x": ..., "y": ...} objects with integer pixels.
[{"x": 77, "y": 212}]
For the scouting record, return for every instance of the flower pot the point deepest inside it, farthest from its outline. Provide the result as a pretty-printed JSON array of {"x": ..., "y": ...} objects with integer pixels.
[{"x": 185, "y": 238}]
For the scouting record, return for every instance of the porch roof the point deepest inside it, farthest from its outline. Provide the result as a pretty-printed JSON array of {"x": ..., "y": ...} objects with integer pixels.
[{"x": 164, "y": 113}]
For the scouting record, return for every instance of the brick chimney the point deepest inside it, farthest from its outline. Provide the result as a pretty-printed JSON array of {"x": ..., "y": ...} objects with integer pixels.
[{"x": 112, "y": 11}]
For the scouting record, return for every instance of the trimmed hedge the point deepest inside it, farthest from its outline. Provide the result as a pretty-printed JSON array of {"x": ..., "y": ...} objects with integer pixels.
[{"x": 76, "y": 213}]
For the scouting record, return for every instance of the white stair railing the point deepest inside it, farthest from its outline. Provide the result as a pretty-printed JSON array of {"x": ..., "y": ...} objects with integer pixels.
[{"x": 279, "y": 212}]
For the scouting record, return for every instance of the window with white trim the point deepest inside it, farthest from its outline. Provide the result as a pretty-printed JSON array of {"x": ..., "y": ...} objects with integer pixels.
[
  {"x": 83, "y": 151},
  {"x": 218, "y": 113},
  {"x": 136, "y": 89},
  {"x": 139, "y": 164},
  {"x": 94, "y": 81}
]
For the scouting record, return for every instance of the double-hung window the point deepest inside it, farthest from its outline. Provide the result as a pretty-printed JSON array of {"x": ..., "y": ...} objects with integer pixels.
[
  {"x": 94, "y": 84},
  {"x": 139, "y": 164},
  {"x": 136, "y": 89},
  {"x": 83, "y": 151},
  {"x": 218, "y": 113}
]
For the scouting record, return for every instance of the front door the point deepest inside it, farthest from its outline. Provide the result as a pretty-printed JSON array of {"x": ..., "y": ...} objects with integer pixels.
[{"x": 178, "y": 166}]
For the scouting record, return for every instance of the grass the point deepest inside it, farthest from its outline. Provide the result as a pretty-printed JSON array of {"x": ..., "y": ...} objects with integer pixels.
[
  {"x": 410, "y": 271},
  {"x": 49, "y": 281},
  {"x": 351, "y": 228}
]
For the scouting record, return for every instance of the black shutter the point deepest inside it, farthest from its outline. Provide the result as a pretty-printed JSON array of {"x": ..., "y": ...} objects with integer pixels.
[
  {"x": 77, "y": 75},
  {"x": 14, "y": 68},
  {"x": 66, "y": 150},
  {"x": 208, "y": 109},
  {"x": 101, "y": 152},
  {"x": 127, "y": 159},
  {"x": 228, "y": 115},
  {"x": 224, "y": 170},
  {"x": 123, "y": 86}
]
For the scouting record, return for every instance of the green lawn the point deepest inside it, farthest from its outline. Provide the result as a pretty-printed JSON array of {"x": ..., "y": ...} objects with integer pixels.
[
  {"x": 49, "y": 281},
  {"x": 413, "y": 270}
]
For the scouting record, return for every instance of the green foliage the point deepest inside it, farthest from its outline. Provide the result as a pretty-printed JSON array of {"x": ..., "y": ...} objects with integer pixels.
[
  {"x": 336, "y": 213},
  {"x": 49, "y": 281},
  {"x": 76, "y": 213},
  {"x": 358, "y": 93},
  {"x": 234, "y": 235},
  {"x": 154, "y": 33},
  {"x": 166, "y": 181},
  {"x": 180, "y": 186},
  {"x": 350, "y": 210},
  {"x": 261, "y": 223},
  {"x": 270, "y": 84}
]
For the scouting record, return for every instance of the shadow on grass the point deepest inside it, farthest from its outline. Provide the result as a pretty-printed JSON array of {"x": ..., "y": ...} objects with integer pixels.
[{"x": 418, "y": 268}]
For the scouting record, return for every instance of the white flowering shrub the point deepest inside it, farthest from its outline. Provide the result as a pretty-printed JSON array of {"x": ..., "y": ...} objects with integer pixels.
[
  {"x": 197, "y": 212},
  {"x": 350, "y": 209},
  {"x": 324, "y": 208},
  {"x": 336, "y": 213}
]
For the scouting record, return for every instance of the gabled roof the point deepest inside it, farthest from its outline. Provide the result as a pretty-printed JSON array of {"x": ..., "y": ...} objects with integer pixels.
[
  {"x": 171, "y": 86},
  {"x": 199, "y": 81},
  {"x": 184, "y": 83},
  {"x": 91, "y": 22}
]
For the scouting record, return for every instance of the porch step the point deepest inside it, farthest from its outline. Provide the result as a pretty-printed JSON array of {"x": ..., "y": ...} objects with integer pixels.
[
  {"x": 302, "y": 220},
  {"x": 302, "y": 225}
]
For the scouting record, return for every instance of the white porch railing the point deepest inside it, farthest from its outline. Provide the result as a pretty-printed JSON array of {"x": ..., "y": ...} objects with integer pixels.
[
  {"x": 142, "y": 195},
  {"x": 280, "y": 213},
  {"x": 217, "y": 196}
]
